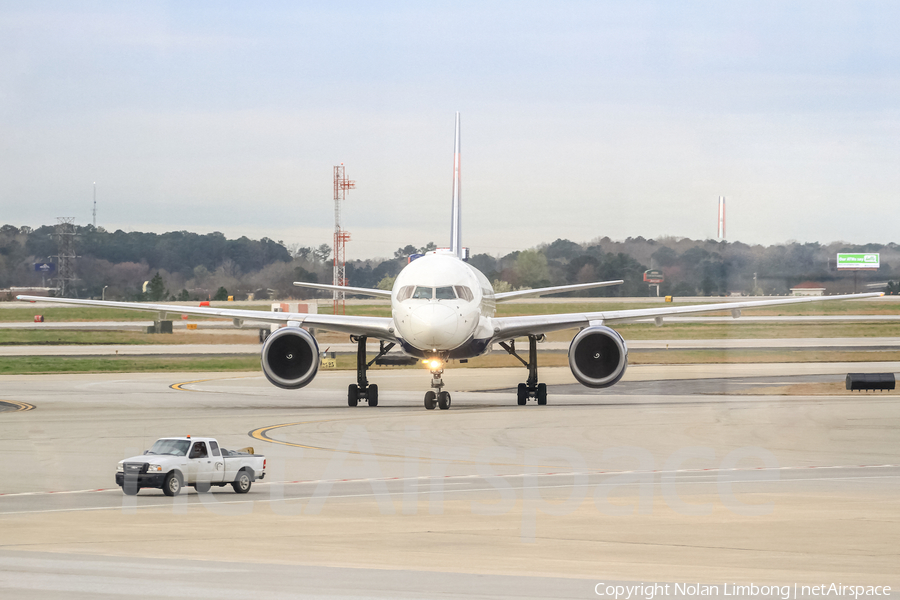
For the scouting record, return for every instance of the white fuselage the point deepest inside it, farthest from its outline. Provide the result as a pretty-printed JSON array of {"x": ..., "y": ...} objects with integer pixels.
[{"x": 440, "y": 304}]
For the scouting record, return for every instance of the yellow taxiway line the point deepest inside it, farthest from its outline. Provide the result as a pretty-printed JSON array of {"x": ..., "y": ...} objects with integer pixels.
[{"x": 21, "y": 406}]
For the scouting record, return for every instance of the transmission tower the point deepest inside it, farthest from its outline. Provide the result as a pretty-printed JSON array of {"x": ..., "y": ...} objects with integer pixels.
[
  {"x": 720, "y": 232},
  {"x": 341, "y": 237},
  {"x": 65, "y": 257}
]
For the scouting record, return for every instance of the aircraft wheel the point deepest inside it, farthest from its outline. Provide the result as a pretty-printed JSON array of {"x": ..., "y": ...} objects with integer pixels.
[
  {"x": 353, "y": 395},
  {"x": 372, "y": 394},
  {"x": 444, "y": 400},
  {"x": 522, "y": 394},
  {"x": 542, "y": 394},
  {"x": 429, "y": 399}
]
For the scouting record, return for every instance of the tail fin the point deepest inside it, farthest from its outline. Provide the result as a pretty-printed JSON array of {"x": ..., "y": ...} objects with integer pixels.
[{"x": 455, "y": 216}]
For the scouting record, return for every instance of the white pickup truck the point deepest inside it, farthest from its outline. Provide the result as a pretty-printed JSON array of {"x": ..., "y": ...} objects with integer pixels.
[{"x": 173, "y": 463}]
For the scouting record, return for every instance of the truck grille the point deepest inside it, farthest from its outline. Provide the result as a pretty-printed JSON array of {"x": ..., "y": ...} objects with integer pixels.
[{"x": 135, "y": 468}]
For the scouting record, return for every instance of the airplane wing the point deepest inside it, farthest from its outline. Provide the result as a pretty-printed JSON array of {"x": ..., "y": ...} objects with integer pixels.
[
  {"x": 346, "y": 289},
  {"x": 511, "y": 327},
  {"x": 504, "y": 296},
  {"x": 377, "y": 327}
]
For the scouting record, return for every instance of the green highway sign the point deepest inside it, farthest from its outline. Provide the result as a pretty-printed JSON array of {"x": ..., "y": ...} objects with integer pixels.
[{"x": 859, "y": 260}]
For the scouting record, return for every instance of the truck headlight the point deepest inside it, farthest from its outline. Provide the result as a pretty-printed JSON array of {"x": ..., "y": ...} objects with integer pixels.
[
  {"x": 154, "y": 469},
  {"x": 120, "y": 468}
]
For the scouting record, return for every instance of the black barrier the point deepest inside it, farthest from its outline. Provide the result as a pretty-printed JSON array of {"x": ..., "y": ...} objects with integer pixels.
[
  {"x": 870, "y": 381},
  {"x": 396, "y": 361}
]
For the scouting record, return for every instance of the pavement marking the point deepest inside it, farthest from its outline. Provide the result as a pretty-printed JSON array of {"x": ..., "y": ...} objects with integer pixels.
[
  {"x": 455, "y": 478},
  {"x": 178, "y": 386},
  {"x": 262, "y": 435},
  {"x": 374, "y": 494},
  {"x": 14, "y": 406}
]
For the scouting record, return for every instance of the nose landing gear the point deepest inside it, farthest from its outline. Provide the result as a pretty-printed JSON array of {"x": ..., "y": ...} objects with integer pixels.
[
  {"x": 531, "y": 388},
  {"x": 441, "y": 398}
]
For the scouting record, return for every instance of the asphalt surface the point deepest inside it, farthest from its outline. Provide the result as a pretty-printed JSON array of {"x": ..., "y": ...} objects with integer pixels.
[{"x": 486, "y": 500}]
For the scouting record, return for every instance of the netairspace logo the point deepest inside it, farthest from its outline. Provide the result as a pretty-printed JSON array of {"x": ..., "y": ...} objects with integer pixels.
[{"x": 649, "y": 591}]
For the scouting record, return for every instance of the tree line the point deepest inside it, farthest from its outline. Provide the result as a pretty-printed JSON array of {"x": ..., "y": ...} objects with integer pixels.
[{"x": 188, "y": 266}]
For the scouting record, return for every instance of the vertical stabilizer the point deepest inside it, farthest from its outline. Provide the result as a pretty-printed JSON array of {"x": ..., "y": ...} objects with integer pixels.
[{"x": 456, "y": 217}]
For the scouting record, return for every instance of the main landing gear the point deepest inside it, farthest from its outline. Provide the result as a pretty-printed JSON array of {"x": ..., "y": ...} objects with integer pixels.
[
  {"x": 531, "y": 388},
  {"x": 362, "y": 390},
  {"x": 439, "y": 398}
]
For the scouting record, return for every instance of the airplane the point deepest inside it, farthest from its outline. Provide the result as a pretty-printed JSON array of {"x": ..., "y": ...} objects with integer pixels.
[{"x": 442, "y": 309}]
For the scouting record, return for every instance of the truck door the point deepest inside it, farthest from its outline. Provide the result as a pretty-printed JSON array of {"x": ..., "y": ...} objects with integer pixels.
[
  {"x": 218, "y": 473},
  {"x": 200, "y": 467}
]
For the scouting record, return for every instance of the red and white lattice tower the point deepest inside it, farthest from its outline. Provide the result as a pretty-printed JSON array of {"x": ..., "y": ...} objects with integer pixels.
[{"x": 341, "y": 237}]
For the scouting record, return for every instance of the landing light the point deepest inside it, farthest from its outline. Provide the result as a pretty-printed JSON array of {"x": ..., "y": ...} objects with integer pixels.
[{"x": 433, "y": 364}]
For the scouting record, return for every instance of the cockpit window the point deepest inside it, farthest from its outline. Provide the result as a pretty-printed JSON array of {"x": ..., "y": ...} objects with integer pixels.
[
  {"x": 445, "y": 293},
  {"x": 441, "y": 293},
  {"x": 464, "y": 293}
]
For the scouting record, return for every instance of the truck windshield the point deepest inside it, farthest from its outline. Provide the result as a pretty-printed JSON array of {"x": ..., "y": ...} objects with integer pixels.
[{"x": 171, "y": 447}]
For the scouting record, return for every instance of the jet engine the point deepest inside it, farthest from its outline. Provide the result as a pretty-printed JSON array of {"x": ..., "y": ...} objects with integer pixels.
[
  {"x": 290, "y": 357},
  {"x": 598, "y": 357}
]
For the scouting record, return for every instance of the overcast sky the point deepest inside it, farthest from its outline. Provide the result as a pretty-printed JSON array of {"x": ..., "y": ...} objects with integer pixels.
[{"x": 579, "y": 119}]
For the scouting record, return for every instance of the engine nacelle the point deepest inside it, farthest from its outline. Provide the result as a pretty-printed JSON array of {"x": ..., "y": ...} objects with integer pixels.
[
  {"x": 290, "y": 357},
  {"x": 598, "y": 357}
]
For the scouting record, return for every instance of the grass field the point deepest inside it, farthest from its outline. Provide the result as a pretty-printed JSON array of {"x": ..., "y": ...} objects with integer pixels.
[
  {"x": 637, "y": 331},
  {"x": 86, "y": 313},
  {"x": 737, "y": 329},
  {"x": 746, "y": 330},
  {"x": 854, "y": 307},
  {"x": 733, "y": 330},
  {"x": 18, "y": 365},
  {"x": 15, "y": 365},
  {"x": 77, "y": 314},
  {"x": 64, "y": 337}
]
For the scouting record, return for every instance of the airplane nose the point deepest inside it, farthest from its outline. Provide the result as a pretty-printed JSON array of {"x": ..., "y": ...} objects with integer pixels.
[{"x": 433, "y": 325}]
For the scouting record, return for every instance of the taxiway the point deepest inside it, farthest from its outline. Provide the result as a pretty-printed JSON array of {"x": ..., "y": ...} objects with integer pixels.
[{"x": 487, "y": 499}]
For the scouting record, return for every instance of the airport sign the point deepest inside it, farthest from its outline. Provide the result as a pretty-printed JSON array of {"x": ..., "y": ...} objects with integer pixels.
[
  {"x": 47, "y": 267},
  {"x": 653, "y": 276},
  {"x": 859, "y": 260}
]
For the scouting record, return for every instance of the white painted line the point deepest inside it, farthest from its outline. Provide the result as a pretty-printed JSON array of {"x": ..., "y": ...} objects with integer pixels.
[
  {"x": 447, "y": 478},
  {"x": 446, "y": 491}
]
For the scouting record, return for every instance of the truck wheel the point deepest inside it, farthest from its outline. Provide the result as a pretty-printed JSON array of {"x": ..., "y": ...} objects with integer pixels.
[
  {"x": 243, "y": 482},
  {"x": 172, "y": 484},
  {"x": 202, "y": 488}
]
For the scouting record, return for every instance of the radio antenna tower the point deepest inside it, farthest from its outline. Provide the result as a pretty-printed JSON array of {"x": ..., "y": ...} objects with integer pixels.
[
  {"x": 341, "y": 237},
  {"x": 65, "y": 258},
  {"x": 95, "y": 205},
  {"x": 720, "y": 232}
]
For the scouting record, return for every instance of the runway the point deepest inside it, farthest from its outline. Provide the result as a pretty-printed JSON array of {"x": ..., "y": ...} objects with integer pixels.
[{"x": 487, "y": 499}]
